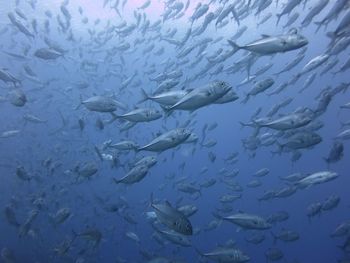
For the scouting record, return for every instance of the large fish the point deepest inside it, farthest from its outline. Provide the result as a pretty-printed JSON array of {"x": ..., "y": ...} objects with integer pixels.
[
  {"x": 316, "y": 178},
  {"x": 248, "y": 221},
  {"x": 172, "y": 218},
  {"x": 167, "y": 140},
  {"x": 140, "y": 115},
  {"x": 102, "y": 104},
  {"x": 135, "y": 175},
  {"x": 202, "y": 96},
  {"x": 226, "y": 255},
  {"x": 274, "y": 44}
]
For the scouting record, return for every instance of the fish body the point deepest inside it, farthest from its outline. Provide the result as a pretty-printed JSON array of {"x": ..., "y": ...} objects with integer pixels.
[
  {"x": 135, "y": 175},
  {"x": 202, "y": 96},
  {"x": 248, "y": 221},
  {"x": 274, "y": 44},
  {"x": 172, "y": 218},
  {"x": 167, "y": 140},
  {"x": 316, "y": 178}
]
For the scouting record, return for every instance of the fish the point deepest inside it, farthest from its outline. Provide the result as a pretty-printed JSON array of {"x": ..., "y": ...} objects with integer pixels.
[
  {"x": 101, "y": 104},
  {"x": 135, "y": 175},
  {"x": 274, "y": 44},
  {"x": 300, "y": 140},
  {"x": 172, "y": 218},
  {"x": 248, "y": 221},
  {"x": 167, "y": 98},
  {"x": 316, "y": 9},
  {"x": 259, "y": 87},
  {"x": 202, "y": 96},
  {"x": 7, "y": 255},
  {"x": 176, "y": 238},
  {"x": 9, "y": 133},
  {"x": 316, "y": 178},
  {"x": 60, "y": 216},
  {"x": 91, "y": 234},
  {"x": 167, "y": 140},
  {"x": 47, "y": 54},
  {"x": 234, "y": 255},
  {"x": 286, "y": 236},
  {"x": 124, "y": 145},
  {"x": 273, "y": 254},
  {"x": 336, "y": 153},
  {"x": 288, "y": 8},
  {"x": 17, "y": 97},
  {"x": 140, "y": 115}
]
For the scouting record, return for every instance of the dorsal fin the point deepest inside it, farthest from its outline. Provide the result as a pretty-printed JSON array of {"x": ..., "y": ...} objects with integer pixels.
[{"x": 265, "y": 36}]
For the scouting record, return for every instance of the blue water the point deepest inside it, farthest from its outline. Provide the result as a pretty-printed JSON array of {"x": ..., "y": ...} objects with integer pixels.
[{"x": 56, "y": 91}]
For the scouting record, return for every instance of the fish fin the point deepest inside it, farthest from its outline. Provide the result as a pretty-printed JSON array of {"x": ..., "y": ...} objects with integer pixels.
[
  {"x": 98, "y": 152},
  {"x": 332, "y": 35},
  {"x": 234, "y": 45},
  {"x": 319, "y": 24},
  {"x": 265, "y": 36},
  {"x": 217, "y": 215},
  {"x": 151, "y": 202},
  {"x": 114, "y": 117},
  {"x": 144, "y": 96},
  {"x": 167, "y": 110},
  {"x": 116, "y": 181},
  {"x": 81, "y": 102},
  {"x": 245, "y": 100},
  {"x": 278, "y": 18},
  {"x": 275, "y": 238}
]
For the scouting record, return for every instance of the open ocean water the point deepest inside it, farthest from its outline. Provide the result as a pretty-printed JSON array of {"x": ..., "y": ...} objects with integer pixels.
[{"x": 174, "y": 131}]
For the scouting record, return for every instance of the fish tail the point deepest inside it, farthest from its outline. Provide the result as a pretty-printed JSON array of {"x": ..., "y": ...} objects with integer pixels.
[
  {"x": 116, "y": 181},
  {"x": 81, "y": 102},
  {"x": 75, "y": 234},
  {"x": 319, "y": 24},
  {"x": 234, "y": 45},
  {"x": 245, "y": 99},
  {"x": 198, "y": 251},
  {"x": 98, "y": 152},
  {"x": 167, "y": 110},
  {"x": 114, "y": 117},
  {"x": 151, "y": 200},
  {"x": 217, "y": 216},
  {"x": 275, "y": 238},
  {"x": 278, "y": 18},
  {"x": 244, "y": 124},
  {"x": 332, "y": 35},
  {"x": 144, "y": 96}
]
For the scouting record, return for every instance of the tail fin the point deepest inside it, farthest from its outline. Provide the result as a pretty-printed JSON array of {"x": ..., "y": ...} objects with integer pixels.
[
  {"x": 144, "y": 96},
  {"x": 167, "y": 110},
  {"x": 275, "y": 238},
  {"x": 234, "y": 45},
  {"x": 116, "y": 181},
  {"x": 81, "y": 102},
  {"x": 114, "y": 117},
  {"x": 319, "y": 24},
  {"x": 280, "y": 148},
  {"x": 332, "y": 35},
  {"x": 98, "y": 152},
  {"x": 198, "y": 251},
  {"x": 217, "y": 216},
  {"x": 278, "y": 18},
  {"x": 245, "y": 99}
]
